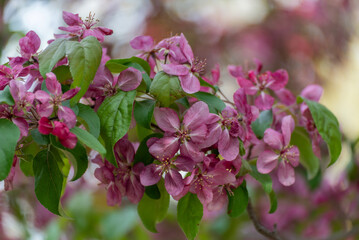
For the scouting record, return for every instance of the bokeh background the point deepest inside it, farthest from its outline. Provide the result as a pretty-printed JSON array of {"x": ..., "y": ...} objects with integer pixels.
[{"x": 316, "y": 41}]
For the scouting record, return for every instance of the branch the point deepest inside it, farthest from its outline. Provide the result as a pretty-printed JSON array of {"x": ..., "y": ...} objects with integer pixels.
[{"x": 259, "y": 227}]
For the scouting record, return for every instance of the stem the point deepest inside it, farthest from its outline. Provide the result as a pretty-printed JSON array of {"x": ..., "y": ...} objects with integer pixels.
[
  {"x": 220, "y": 91},
  {"x": 259, "y": 227}
]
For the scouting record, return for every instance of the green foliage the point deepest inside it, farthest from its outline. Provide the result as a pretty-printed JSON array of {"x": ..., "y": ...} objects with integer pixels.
[
  {"x": 84, "y": 59},
  {"x": 5, "y": 97},
  {"x": 215, "y": 104},
  {"x": 91, "y": 119},
  {"x": 118, "y": 65},
  {"x": 143, "y": 112},
  {"x": 115, "y": 115},
  {"x": 9, "y": 134},
  {"x": 263, "y": 122},
  {"x": 51, "y": 55},
  {"x": 77, "y": 156},
  {"x": 48, "y": 179},
  {"x": 153, "y": 191},
  {"x": 88, "y": 139},
  {"x": 266, "y": 182},
  {"x": 142, "y": 154},
  {"x": 152, "y": 211},
  {"x": 300, "y": 138},
  {"x": 328, "y": 127},
  {"x": 189, "y": 214},
  {"x": 237, "y": 200},
  {"x": 166, "y": 89}
]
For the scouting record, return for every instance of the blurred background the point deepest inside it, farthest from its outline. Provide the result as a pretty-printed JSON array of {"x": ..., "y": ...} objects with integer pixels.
[{"x": 316, "y": 41}]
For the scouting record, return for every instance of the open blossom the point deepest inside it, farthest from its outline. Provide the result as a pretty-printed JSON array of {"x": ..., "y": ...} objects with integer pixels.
[
  {"x": 186, "y": 136},
  {"x": 123, "y": 180},
  {"x": 105, "y": 85},
  {"x": 147, "y": 46},
  {"x": 82, "y": 29},
  {"x": 49, "y": 102},
  {"x": 258, "y": 84},
  {"x": 29, "y": 45},
  {"x": 23, "y": 99},
  {"x": 281, "y": 153},
  {"x": 183, "y": 64},
  {"x": 169, "y": 166}
]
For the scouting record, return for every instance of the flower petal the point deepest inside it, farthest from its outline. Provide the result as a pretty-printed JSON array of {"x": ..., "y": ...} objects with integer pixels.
[
  {"x": 173, "y": 182},
  {"x": 129, "y": 79},
  {"x": 196, "y": 115},
  {"x": 287, "y": 128},
  {"x": 228, "y": 146},
  {"x": 52, "y": 84},
  {"x": 165, "y": 147},
  {"x": 267, "y": 161},
  {"x": 175, "y": 69},
  {"x": 286, "y": 175},
  {"x": 144, "y": 43},
  {"x": 190, "y": 83},
  {"x": 151, "y": 175},
  {"x": 273, "y": 138},
  {"x": 167, "y": 119}
]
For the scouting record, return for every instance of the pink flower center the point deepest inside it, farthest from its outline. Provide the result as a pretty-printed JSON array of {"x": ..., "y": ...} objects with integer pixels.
[{"x": 183, "y": 135}]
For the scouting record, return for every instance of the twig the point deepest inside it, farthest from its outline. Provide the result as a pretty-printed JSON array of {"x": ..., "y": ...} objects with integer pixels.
[
  {"x": 220, "y": 91},
  {"x": 259, "y": 227}
]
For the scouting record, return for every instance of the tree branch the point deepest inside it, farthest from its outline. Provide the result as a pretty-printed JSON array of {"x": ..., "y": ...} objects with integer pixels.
[{"x": 259, "y": 227}]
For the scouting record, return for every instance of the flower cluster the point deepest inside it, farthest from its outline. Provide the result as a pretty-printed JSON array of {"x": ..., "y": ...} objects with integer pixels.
[{"x": 197, "y": 141}]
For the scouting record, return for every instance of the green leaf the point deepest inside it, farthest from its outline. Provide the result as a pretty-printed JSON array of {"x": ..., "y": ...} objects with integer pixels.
[
  {"x": 115, "y": 65},
  {"x": 48, "y": 180},
  {"x": 300, "y": 138},
  {"x": 242, "y": 150},
  {"x": 77, "y": 156},
  {"x": 266, "y": 182},
  {"x": 238, "y": 200},
  {"x": 143, "y": 112},
  {"x": 115, "y": 115},
  {"x": 26, "y": 167},
  {"x": 9, "y": 135},
  {"x": 84, "y": 60},
  {"x": 88, "y": 139},
  {"x": 91, "y": 118},
  {"x": 263, "y": 122},
  {"x": 62, "y": 73},
  {"x": 152, "y": 211},
  {"x": 142, "y": 153},
  {"x": 328, "y": 128},
  {"x": 6, "y": 97},
  {"x": 39, "y": 138},
  {"x": 51, "y": 55},
  {"x": 206, "y": 84},
  {"x": 215, "y": 104},
  {"x": 273, "y": 202},
  {"x": 264, "y": 179},
  {"x": 166, "y": 89},
  {"x": 153, "y": 191},
  {"x": 189, "y": 214}
]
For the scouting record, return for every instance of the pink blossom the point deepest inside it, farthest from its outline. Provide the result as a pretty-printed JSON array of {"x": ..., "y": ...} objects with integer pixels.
[
  {"x": 280, "y": 150},
  {"x": 186, "y": 136},
  {"x": 66, "y": 138},
  {"x": 49, "y": 102},
  {"x": 123, "y": 180},
  {"x": 23, "y": 99},
  {"x": 45, "y": 126},
  {"x": 183, "y": 64},
  {"x": 82, "y": 29}
]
